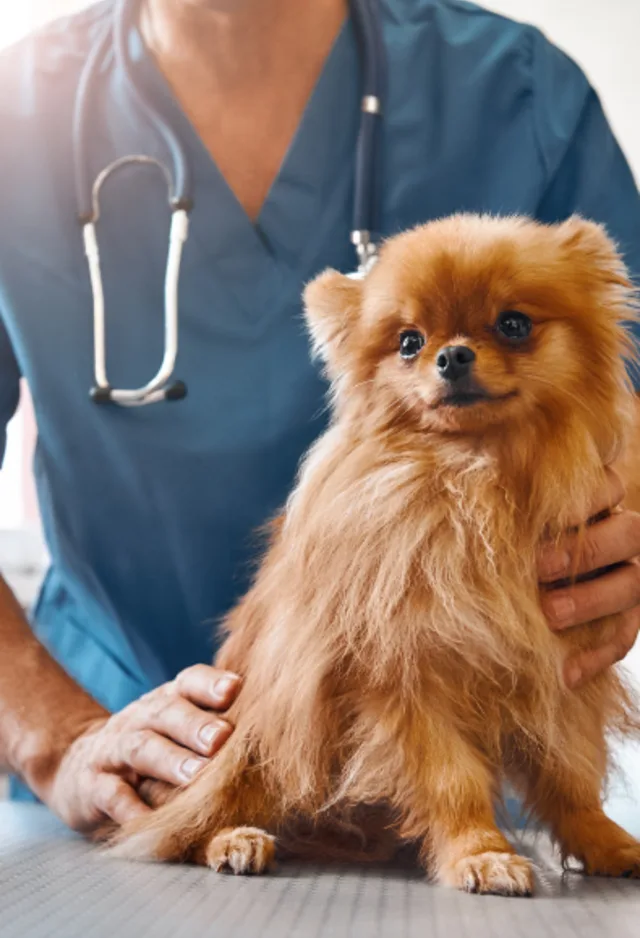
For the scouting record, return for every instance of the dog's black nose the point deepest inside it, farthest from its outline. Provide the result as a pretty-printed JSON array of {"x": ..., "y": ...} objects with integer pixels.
[{"x": 455, "y": 361}]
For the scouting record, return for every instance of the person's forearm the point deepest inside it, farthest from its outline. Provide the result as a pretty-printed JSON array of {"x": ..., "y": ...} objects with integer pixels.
[{"x": 42, "y": 710}]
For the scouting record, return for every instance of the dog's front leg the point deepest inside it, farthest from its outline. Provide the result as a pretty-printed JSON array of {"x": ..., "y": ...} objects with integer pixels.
[{"x": 450, "y": 809}]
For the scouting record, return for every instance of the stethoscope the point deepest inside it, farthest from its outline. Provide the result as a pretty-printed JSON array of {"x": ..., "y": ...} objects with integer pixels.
[{"x": 163, "y": 386}]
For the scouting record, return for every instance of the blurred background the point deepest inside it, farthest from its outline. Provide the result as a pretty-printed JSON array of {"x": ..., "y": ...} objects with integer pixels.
[{"x": 601, "y": 36}]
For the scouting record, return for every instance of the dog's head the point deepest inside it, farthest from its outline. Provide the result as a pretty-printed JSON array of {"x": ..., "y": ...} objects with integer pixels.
[{"x": 472, "y": 322}]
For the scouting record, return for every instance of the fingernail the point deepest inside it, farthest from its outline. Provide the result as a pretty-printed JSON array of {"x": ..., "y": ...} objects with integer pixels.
[
  {"x": 191, "y": 767},
  {"x": 554, "y": 563},
  {"x": 561, "y": 609},
  {"x": 572, "y": 675},
  {"x": 209, "y": 733},
  {"x": 224, "y": 687}
]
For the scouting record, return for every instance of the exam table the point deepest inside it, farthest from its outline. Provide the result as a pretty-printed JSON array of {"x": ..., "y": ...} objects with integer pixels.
[{"x": 53, "y": 883}]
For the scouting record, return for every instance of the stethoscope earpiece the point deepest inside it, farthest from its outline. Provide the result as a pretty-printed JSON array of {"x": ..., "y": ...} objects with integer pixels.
[
  {"x": 100, "y": 395},
  {"x": 176, "y": 391}
]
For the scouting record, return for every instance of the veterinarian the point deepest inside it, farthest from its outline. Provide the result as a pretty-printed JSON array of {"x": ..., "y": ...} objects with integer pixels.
[{"x": 150, "y": 511}]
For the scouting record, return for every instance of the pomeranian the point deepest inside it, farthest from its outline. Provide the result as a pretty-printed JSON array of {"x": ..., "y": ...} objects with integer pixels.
[{"x": 397, "y": 667}]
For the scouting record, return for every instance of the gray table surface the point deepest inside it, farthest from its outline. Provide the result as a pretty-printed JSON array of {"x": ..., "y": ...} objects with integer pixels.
[{"x": 53, "y": 883}]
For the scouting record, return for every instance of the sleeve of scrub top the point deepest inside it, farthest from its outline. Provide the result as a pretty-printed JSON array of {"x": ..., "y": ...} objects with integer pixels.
[
  {"x": 9, "y": 387},
  {"x": 586, "y": 169}
]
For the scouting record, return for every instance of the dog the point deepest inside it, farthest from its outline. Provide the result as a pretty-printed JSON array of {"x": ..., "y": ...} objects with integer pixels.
[{"x": 397, "y": 666}]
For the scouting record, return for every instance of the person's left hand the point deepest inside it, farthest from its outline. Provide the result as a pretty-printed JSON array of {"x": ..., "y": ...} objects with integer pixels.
[{"x": 611, "y": 544}]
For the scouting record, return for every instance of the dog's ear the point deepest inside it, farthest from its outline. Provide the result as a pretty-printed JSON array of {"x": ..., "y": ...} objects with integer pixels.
[
  {"x": 601, "y": 270},
  {"x": 591, "y": 246},
  {"x": 332, "y": 309}
]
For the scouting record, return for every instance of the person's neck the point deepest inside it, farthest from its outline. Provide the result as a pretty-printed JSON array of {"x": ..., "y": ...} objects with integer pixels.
[
  {"x": 243, "y": 71},
  {"x": 230, "y": 46}
]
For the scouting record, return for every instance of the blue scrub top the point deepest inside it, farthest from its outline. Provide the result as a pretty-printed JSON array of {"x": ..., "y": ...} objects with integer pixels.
[{"x": 150, "y": 514}]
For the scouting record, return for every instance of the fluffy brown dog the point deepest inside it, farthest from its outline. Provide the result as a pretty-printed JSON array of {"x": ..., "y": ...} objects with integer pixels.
[{"x": 393, "y": 648}]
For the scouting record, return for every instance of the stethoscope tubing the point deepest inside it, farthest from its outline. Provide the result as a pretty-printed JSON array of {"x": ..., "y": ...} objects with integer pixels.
[{"x": 369, "y": 37}]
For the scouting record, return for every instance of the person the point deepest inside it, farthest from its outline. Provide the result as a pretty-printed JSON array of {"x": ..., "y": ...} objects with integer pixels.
[{"x": 150, "y": 513}]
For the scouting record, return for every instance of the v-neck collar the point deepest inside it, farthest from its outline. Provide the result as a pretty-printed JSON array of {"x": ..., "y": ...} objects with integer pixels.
[{"x": 270, "y": 247}]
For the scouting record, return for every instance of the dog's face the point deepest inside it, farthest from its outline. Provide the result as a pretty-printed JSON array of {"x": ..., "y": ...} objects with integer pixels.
[{"x": 472, "y": 321}]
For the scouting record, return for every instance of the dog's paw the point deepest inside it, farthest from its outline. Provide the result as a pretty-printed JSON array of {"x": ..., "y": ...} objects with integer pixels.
[
  {"x": 498, "y": 874},
  {"x": 241, "y": 850},
  {"x": 620, "y": 860}
]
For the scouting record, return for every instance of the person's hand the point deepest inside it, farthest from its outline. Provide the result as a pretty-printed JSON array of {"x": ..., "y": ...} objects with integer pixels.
[
  {"x": 167, "y": 735},
  {"x": 609, "y": 548}
]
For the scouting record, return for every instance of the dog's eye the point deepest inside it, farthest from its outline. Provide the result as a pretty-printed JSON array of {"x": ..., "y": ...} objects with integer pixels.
[
  {"x": 514, "y": 326},
  {"x": 411, "y": 343}
]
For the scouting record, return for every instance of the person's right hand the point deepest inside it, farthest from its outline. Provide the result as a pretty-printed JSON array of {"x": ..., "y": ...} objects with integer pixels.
[{"x": 168, "y": 735}]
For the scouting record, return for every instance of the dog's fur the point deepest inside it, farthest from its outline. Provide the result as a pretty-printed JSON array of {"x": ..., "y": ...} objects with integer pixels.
[{"x": 394, "y": 653}]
